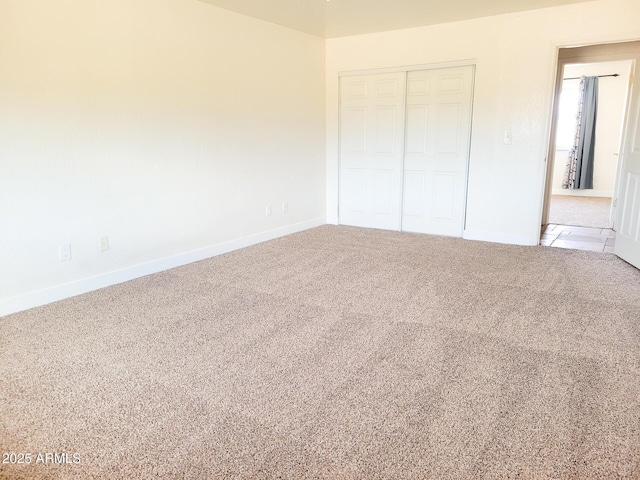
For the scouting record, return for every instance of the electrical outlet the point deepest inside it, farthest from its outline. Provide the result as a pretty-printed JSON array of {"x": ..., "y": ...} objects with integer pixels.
[
  {"x": 267, "y": 210},
  {"x": 285, "y": 207},
  {"x": 65, "y": 252},
  {"x": 508, "y": 137},
  {"x": 104, "y": 243}
]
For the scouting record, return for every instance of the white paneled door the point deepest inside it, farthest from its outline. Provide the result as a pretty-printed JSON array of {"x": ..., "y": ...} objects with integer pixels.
[
  {"x": 371, "y": 141},
  {"x": 438, "y": 127},
  {"x": 628, "y": 233},
  {"x": 404, "y": 149}
]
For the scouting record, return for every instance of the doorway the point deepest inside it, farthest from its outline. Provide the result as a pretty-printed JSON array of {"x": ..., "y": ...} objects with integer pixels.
[
  {"x": 589, "y": 207},
  {"x": 586, "y": 218}
]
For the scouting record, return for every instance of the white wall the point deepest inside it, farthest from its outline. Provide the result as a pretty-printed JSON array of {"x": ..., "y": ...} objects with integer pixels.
[
  {"x": 612, "y": 98},
  {"x": 516, "y": 57},
  {"x": 167, "y": 125}
]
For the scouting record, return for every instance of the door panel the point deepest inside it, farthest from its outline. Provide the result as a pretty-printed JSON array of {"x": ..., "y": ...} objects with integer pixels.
[
  {"x": 438, "y": 127},
  {"x": 354, "y": 197},
  {"x": 628, "y": 235},
  {"x": 419, "y": 86},
  {"x": 449, "y": 123},
  {"x": 444, "y": 193},
  {"x": 385, "y": 134},
  {"x": 629, "y": 224},
  {"x": 356, "y": 130},
  {"x": 413, "y": 194},
  {"x": 387, "y": 87},
  {"x": 355, "y": 89},
  {"x": 383, "y": 192},
  {"x": 416, "y": 138},
  {"x": 371, "y": 144},
  {"x": 451, "y": 83}
]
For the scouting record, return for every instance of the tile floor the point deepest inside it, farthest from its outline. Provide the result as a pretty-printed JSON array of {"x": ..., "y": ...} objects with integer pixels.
[{"x": 578, "y": 238}]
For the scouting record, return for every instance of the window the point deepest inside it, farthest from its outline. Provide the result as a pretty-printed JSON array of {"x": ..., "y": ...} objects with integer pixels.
[{"x": 567, "y": 111}]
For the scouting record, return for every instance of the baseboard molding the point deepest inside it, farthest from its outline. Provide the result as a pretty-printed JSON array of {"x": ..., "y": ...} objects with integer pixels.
[
  {"x": 581, "y": 193},
  {"x": 59, "y": 292},
  {"x": 500, "y": 238}
]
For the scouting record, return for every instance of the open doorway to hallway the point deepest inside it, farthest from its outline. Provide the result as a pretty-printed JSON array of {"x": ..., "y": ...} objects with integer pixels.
[
  {"x": 577, "y": 215},
  {"x": 589, "y": 207}
]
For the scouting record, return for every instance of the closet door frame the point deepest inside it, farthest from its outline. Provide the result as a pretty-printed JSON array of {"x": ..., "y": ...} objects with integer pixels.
[{"x": 405, "y": 70}]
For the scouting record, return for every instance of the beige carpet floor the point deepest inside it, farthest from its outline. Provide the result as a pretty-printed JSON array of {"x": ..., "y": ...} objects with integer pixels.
[
  {"x": 335, "y": 353},
  {"x": 580, "y": 211}
]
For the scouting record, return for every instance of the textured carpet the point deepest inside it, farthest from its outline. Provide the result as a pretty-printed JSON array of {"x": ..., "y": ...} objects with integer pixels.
[
  {"x": 580, "y": 211},
  {"x": 335, "y": 353}
]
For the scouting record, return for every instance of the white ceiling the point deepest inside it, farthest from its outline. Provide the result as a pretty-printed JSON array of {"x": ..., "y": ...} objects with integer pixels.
[{"x": 339, "y": 18}]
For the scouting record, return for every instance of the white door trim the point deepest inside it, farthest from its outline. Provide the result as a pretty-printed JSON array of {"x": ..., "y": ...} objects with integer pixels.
[{"x": 409, "y": 68}]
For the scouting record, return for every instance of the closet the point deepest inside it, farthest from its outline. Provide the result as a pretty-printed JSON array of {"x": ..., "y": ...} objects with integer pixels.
[{"x": 404, "y": 149}]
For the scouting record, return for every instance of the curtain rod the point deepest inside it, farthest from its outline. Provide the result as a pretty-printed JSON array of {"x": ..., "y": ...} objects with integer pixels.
[{"x": 599, "y": 76}]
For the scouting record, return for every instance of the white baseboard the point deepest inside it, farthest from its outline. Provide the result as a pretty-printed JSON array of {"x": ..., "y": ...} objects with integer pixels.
[
  {"x": 500, "y": 238},
  {"x": 84, "y": 285},
  {"x": 581, "y": 193}
]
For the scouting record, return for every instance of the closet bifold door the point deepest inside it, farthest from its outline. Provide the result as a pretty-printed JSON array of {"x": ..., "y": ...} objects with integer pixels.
[
  {"x": 436, "y": 150},
  {"x": 372, "y": 112}
]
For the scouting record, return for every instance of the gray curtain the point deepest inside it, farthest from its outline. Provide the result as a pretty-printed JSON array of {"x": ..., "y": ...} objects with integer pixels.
[{"x": 579, "y": 171}]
